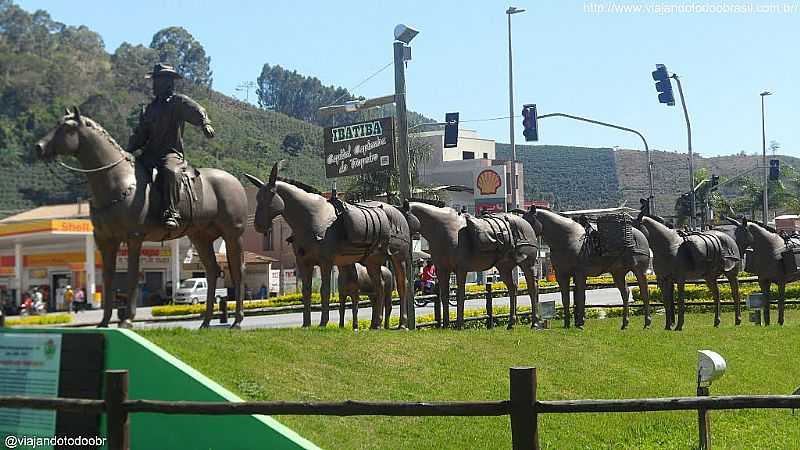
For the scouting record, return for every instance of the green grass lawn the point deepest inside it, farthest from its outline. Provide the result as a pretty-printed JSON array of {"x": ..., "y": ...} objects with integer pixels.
[{"x": 599, "y": 362}]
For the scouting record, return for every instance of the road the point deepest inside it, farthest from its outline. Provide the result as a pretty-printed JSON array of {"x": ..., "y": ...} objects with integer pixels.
[{"x": 609, "y": 296}]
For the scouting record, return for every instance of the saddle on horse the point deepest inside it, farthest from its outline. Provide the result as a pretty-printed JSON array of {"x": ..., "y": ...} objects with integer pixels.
[{"x": 188, "y": 193}]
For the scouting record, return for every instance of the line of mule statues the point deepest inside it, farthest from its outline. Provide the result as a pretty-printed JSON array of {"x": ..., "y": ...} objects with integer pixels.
[{"x": 360, "y": 238}]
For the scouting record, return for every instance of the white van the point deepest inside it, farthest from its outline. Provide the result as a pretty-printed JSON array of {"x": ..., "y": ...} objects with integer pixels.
[{"x": 194, "y": 290}]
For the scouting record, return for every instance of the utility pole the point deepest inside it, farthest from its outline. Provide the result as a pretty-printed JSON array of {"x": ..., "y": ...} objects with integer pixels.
[
  {"x": 402, "y": 53},
  {"x": 246, "y": 86},
  {"x": 691, "y": 156}
]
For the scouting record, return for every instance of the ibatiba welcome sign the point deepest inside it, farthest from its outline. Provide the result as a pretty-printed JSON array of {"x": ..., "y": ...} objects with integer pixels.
[{"x": 359, "y": 147}]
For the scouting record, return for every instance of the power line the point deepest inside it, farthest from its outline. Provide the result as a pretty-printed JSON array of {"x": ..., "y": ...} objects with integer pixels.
[{"x": 350, "y": 91}]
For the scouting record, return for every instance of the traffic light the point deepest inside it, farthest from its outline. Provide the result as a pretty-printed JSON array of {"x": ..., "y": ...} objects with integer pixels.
[
  {"x": 714, "y": 180},
  {"x": 451, "y": 130},
  {"x": 663, "y": 85},
  {"x": 531, "y": 130},
  {"x": 774, "y": 169}
]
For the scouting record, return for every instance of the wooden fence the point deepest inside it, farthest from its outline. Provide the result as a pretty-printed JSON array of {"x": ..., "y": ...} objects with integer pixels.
[{"x": 523, "y": 407}]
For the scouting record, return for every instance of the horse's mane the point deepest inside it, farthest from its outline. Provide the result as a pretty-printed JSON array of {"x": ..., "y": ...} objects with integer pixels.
[
  {"x": 91, "y": 123},
  {"x": 305, "y": 187},
  {"x": 765, "y": 226}
]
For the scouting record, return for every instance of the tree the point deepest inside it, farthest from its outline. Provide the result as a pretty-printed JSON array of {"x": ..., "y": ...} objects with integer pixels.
[
  {"x": 130, "y": 64},
  {"x": 293, "y": 143},
  {"x": 177, "y": 46}
]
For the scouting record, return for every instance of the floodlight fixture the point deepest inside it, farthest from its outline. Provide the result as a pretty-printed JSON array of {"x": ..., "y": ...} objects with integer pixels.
[
  {"x": 710, "y": 366},
  {"x": 404, "y": 33}
]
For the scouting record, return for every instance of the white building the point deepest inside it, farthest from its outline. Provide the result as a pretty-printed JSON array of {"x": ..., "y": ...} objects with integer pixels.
[{"x": 457, "y": 166}]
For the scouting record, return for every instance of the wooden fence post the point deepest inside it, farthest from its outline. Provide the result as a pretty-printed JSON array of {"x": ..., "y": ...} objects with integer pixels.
[
  {"x": 489, "y": 312},
  {"x": 524, "y": 420},
  {"x": 117, "y": 421},
  {"x": 703, "y": 421}
]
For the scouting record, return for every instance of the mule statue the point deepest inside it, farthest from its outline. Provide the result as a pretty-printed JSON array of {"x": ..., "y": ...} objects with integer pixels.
[
  {"x": 678, "y": 257},
  {"x": 353, "y": 281},
  {"x": 772, "y": 259},
  {"x": 126, "y": 208},
  {"x": 575, "y": 256},
  {"x": 328, "y": 233},
  {"x": 460, "y": 243}
]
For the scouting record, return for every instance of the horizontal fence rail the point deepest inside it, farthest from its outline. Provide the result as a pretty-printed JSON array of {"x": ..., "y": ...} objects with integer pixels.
[
  {"x": 523, "y": 407},
  {"x": 347, "y": 408}
]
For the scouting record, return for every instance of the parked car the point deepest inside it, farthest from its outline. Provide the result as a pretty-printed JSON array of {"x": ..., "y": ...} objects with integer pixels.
[{"x": 194, "y": 290}]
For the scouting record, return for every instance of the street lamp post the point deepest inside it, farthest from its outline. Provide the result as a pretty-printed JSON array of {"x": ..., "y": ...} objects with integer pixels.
[
  {"x": 765, "y": 203},
  {"x": 403, "y": 34},
  {"x": 510, "y": 11}
]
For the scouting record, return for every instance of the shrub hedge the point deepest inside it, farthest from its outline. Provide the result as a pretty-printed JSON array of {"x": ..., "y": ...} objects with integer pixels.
[{"x": 49, "y": 319}]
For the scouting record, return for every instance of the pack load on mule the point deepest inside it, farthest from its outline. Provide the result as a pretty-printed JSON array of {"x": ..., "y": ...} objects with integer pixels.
[
  {"x": 706, "y": 248},
  {"x": 366, "y": 223},
  {"x": 491, "y": 232},
  {"x": 791, "y": 254},
  {"x": 615, "y": 233}
]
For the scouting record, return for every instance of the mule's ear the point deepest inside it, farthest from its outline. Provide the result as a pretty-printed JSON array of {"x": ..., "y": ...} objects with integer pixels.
[
  {"x": 256, "y": 182},
  {"x": 67, "y": 112},
  {"x": 273, "y": 175},
  {"x": 732, "y": 221},
  {"x": 406, "y": 206},
  {"x": 77, "y": 113}
]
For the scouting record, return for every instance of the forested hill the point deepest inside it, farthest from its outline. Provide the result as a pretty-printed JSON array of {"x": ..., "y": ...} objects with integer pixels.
[
  {"x": 46, "y": 66},
  {"x": 568, "y": 177}
]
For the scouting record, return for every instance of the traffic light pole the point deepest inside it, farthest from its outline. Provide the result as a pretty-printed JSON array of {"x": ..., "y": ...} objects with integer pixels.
[
  {"x": 691, "y": 156},
  {"x": 765, "y": 200},
  {"x": 618, "y": 127}
]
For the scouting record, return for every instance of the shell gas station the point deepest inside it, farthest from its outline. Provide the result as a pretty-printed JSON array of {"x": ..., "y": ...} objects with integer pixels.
[{"x": 51, "y": 247}]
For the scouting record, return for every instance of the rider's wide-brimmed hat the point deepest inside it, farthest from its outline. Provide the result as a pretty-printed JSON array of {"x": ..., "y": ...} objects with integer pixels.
[{"x": 163, "y": 70}]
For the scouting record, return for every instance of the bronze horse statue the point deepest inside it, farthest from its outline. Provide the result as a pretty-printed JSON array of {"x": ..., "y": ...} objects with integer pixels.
[
  {"x": 454, "y": 249},
  {"x": 353, "y": 281},
  {"x": 568, "y": 243},
  {"x": 126, "y": 208},
  {"x": 678, "y": 257},
  {"x": 765, "y": 260},
  {"x": 323, "y": 236}
]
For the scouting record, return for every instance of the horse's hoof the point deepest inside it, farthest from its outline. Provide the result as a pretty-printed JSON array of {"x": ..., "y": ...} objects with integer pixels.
[
  {"x": 738, "y": 322},
  {"x": 127, "y": 324},
  {"x": 236, "y": 326},
  {"x": 647, "y": 323},
  {"x": 205, "y": 324},
  {"x": 102, "y": 325},
  {"x": 579, "y": 327},
  {"x": 624, "y": 326}
]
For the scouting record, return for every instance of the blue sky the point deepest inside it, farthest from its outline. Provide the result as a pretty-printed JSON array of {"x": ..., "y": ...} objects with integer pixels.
[{"x": 566, "y": 59}]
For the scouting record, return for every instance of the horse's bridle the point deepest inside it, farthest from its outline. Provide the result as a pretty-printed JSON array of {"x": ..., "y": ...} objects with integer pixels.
[{"x": 97, "y": 169}]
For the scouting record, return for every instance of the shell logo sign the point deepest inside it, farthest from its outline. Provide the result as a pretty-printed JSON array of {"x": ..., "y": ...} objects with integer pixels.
[{"x": 488, "y": 182}]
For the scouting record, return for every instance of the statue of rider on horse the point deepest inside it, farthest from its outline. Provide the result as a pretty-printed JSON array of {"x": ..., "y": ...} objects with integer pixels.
[{"x": 160, "y": 135}]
